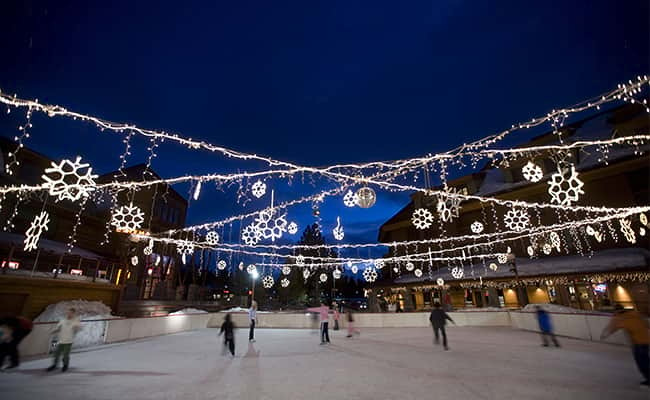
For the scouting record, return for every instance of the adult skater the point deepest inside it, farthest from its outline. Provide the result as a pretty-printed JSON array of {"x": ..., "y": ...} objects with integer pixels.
[
  {"x": 252, "y": 317},
  {"x": 335, "y": 306},
  {"x": 438, "y": 320},
  {"x": 323, "y": 310},
  {"x": 16, "y": 328},
  {"x": 66, "y": 329},
  {"x": 351, "y": 329},
  {"x": 545, "y": 327},
  {"x": 228, "y": 329},
  {"x": 637, "y": 329}
]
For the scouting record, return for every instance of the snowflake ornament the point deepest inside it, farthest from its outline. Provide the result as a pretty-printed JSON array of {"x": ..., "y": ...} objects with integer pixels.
[
  {"x": 457, "y": 272},
  {"x": 269, "y": 227},
  {"x": 493, "y": 266},
  {"x": 440, "y": 282},
  {"x": 292, "y": 228},
  {"x": 185, "y": 247},
  {"x": 286, "y": 270},
  {"x": 305, "y": 273},
  {"x": 284, "y": 282},
  {"x": 127, "y": 218},
  {"x": 410, "y": 266},
  {"x": 338, "y": 230},
  {"x": 517, "y": 220},
  {"x": 300, "y": 260},
  {"x": 449, "y": 206},
  {"x": 418, "y": 272},
  {"x": 379, "y": 263},
  {"x": 547, "y": 249},
  {"x": 477, "y": 227},
  {"x": 370, "y": 274},
  {"x": 422, "y": 218},
  {"x": 350, "y": 199},
  {"x": 323, "y": 278},
  {"x": 564, "y": 187},
  {"x": 69, "y": 180},
  {"x": 251, "y": 268},
  {"x": 532, "y": 172},
  {"x": 250, "y": 235},
  {"x": 502, "y": 258},
  {"x": 212, "y": 238},
  {"x": 336, "y": 274},
  {"x": 222, "y": 265},
  {"x": 555, "y": 240},
  {"x": 147, "y": 251},
  {"x": 258, "y": 189},
  {"x": 268, "y": 281},
  {"x": 626, "y": 229},
  {"x": 36, "y": 229}
]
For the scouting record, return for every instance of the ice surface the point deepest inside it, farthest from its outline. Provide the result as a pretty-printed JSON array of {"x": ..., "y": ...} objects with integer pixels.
[{"x": 483, "y": 363}]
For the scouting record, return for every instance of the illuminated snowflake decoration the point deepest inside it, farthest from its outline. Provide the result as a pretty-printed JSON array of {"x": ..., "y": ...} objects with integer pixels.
[
  {"x": 370, "y": 274},
  {"x": 250, "y": 235},
  {"x": 532, "y": 172},
  {"x": 269, "y": 227},
  {"x": 350, "y": 199},
  {"x": 35, "y": 230},
  {"x": 222, "y": 265},
  {"x": 502, "y": 258},
  {"x": 305, "y": 273},
  {"x": 286, "y": 270},
  {"x": 212, "y": 238},
  {"x": 493, "y": 266},
  {"x": 440, "y": 282},
  {"x": 284, "y": 282},
  {"x": 517, "y": 220},
  {"x": 422, "y": 218},
  {"x": 643, "y": 218},
  {"x": 457, "y": 272},
  {"x": 69, "y": 180},
  {"x": 410, "y": 266},
  {"x": 449, "y": 206},
  {"x": 555, "y": 240},
  {"x": 418, "y": 272},
  {"x": 323, "y": 278},
  {"x": 268, "y": 281},
  {"x": 127, "y": 218},
  {"x": 258, "y": 189},
  {"x": 564, "y": 187},
  {"x": 530, "y": 250},
  {"x": 379, "y": 263},
  {"x": 547, "y": 248},
  {"x": 147, "y": 251},
  {"x": 184, "y": 247},
  {"x": 134, "y": 260},
  {"x": 354, "y": 269},
  {"x": 338, "y": 230},
  {"x": 292, "y": 228},
  {"x": 300, "y": 260},
  {"x": 590, "y": 230},
  {"x": 336, "y": 274},
  {"x": 251, "y": 268},
  {"x": 626, "y": 229},
  {"x": 476, "y": 227}
]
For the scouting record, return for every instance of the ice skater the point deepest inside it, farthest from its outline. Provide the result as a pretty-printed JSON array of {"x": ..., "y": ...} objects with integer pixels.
[
  {"x": 545, "y": 327},
  {"x": 438, "y": 320},
  {"x": 252, "y": 317},
  {"x": 637, "y": 329},
  {"x": 323, "y": 310},
  {"x": 66, "y": 329},
  {"x": 335, "y": 306},
  {"x": 16, "y": 329},
  {"x": 228, "y": 330},
  {"x": 351, "y": 329}
]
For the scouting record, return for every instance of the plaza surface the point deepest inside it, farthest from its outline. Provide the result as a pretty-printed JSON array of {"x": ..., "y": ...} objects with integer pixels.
[{"x": 483, "y": 363}]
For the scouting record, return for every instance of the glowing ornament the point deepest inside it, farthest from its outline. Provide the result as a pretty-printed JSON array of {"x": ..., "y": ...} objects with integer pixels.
[
  {"x": 284, "y": 282},
  {"x": 286, "y": 270},
  {"x": 517, "y": 220},
  {"x": 250, "y": 235},
  {"x": 251, "y": 268},
  {"x": 323, "y": 278},
  {"x": 422, "y": 218},
  {"x": 449, "y": 205},
  {"x": 197, "y": 190},
  {"x": 379, "y": 263},
  {"x": 493, "y": 266},
  {"x": 258, "y": 189},
  {"x": 590, "y": 230},
  {"x": 269, "y": 227},
  {"x": 338, "y": 230},
  {"x": 477, "y": 227},
  {"x": 241, "y": 265},
  {"x": 292, "y": 228},
  {"x": 599, "y": 237},
  {"x": 642, "y": 231},
  {"x": 69, "y": 180},
  {"x": 268, "y": 281},
  {"x": 370, "y": 274},
  {"x": 626, "y": 229},
  {"x": 336, "y": 274},
  {"x": 410, "y": 266},
  {"x": 440, "y": 282},
  {"x": 134, "y": 260},
  {"x": 564, "y": 187},
  {"x": 305, "y": 273},
  {"x": 643, "y": 218},
  {"x": 350, "y": 199},
  {"x": 502, "y": 258},
  {"x": 127, "y": 218},
  {"x": 530, "y": 250},
  {"x": 555, "y": 240},
  {"x": 418, "y": 272},
  {"x": 184, "y": 258},
  {"x": 184, "y": 247},
  {"x": 158, "y": 260},
  {"x": 457, "y": 272},
  {"x": 547, "y": 248},
  {"x": 212, "y": 238},
  {"x": 300, "y": 260},
  {"x": 532, "y": 172},
  {"x": 221, "y": 265},
  {"x": 35, "y": 230},
  {"x": 354, "y": 269},
  {"x": 396, "y": 269},
  {"x": 147, "y": 251},
  {"x": 366, "y": 197}
]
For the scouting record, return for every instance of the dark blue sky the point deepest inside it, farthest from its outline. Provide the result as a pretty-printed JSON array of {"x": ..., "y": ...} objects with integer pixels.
[{"x": 310, "y": 82}]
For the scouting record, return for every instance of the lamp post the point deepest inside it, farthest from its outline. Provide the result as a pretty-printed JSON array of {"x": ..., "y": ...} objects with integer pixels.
[{"x": 522, "y": 297}]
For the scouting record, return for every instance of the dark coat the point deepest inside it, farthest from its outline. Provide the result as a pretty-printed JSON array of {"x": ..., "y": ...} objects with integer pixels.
[
  {"x": 439, "y": 317},
  {"x": 228, "y": 328}
]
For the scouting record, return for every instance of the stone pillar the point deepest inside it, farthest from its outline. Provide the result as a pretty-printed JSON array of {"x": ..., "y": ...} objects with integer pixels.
[{"x": 493, "y": 297}]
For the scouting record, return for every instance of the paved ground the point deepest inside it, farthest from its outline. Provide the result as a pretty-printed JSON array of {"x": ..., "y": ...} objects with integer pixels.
[{"x": 483, "y": 363}]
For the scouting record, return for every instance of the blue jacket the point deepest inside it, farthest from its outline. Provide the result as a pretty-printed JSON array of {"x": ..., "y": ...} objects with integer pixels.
[{"x": 544, "y": 321}]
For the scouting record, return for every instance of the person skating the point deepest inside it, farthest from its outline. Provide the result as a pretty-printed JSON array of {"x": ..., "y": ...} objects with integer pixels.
[
  {"x": 66, "y": 329},
  {"x": 323, "y": 310},
  {"x": 335, "y": 306},
  {"x": 636, "y": 328},
  {"x": 17, "y": 328},
  {"x": 228, "y": 330},
  {"x": 351, "y": 329},
  {"x": 545, "y": 327},
  {"x": 252, "y": 318},
  {"x": 438, "y": 320}
]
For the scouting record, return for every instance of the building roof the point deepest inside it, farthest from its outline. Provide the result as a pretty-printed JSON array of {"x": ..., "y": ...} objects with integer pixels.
[{"x": 49, "y": 246}]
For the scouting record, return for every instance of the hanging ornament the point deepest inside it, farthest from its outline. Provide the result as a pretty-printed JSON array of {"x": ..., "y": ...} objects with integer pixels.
[
  {"x": 410, "y": 266},
  {"x": 370, "y": 274},
  {"x": 336, "y": 274},
  {"x": 268, "y": 227},
  {"x": 530, "y": 250},
  {"x": 418, "y": 272},
  {"x": 268, "y": 281},
  {"x": 396, "y": 269},
  {"x": 127, "y": 218},
  {"x": 422, "y": 218},
  {"x": 286, "y": 270},
  {"x": 626, "y": 229},
  {"x": 440, "y": 282},
  {"x": 547, "y": 248},
  {"x": 354, "y": 269},
  {"x": 590, "y": 230},
  {"x": 284, "y": 282},
  {"x": 517, "y": 220},
  {"x": 555, "y": 240},
  {"x": 300, "y": 260},
  {"x": 449, "y": 205},
  {"x": 338, "y": 230},
  {"x": 184, "y": 247},
  {"x": 292, "y": 228},
  {"x": 212, "y": 238},
  {"x": 258, "y": 189},
  {"x": 564, "y": 187},
  {"x": 493, "y": 266},
  {"x": 305, "y": 273},
  {"x": 642, "y": 231},
  {"x": 241, "y": 265},
  {"x": 69, "y": 180},
  {"x": 477, "y": 227},
  {"x": 508, "y": 249},
  {"x": 147, "y": 251},
  {"x": 366, "y": 197},
  {"x": 36, "y": 229},
  {"x": 457, "y": 272},
  {"x": 643, "y": 218},
  {"x": 323, "y": 278},
  {"x": 184, "y": 258},
  {"x": 598, "y": 236},
  {"x": 251, "y": 268},
  {"x": 158, "y": 260},
  {"x": 197, "y": 190},
  {"x": 502, "y": 258},
  {"x": 134, "y": 260},
  {"x": 350, "y": 199},
  {"x": 221, "y": 265},
  {"x": 532, "y": 172},
  {"x": 379, "y": 263},
  {"x": 250, "y": 235}
]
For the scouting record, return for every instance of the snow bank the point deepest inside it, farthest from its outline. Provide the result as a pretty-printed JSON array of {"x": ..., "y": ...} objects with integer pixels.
[
  {"x": 91, "y": 333},
  {"x": 558, "y": 309},
  {"x": 189, "y": 311}
]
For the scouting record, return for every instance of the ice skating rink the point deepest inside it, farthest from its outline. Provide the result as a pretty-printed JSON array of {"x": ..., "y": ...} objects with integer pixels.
[{"x": 483, "y": 363}]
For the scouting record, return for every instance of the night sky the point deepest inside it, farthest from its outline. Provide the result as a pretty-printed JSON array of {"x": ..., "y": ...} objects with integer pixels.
[{"x": 310, "y": 82}]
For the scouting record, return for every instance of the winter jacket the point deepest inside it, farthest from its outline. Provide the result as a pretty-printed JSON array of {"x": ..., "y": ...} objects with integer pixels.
[
  {"x": 323, "y": 311},
  {"x": 544, "y": 321},
  {"x": 252, "y": 314},
  {"x": 439, "y": 317},
  {"x": 633, "y": 323},
  {"x": 228, "y": 328},
  {"x": 67, "y": 329}
]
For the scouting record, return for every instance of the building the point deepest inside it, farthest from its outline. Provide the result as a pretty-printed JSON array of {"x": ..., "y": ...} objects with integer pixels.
[{"x": 581, "y": 272}]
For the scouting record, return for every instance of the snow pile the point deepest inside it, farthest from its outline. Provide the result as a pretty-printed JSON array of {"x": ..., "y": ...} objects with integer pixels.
[
  {"x": 189, "y": 311},
  {"x": 480, "y": 309},
  {"x": 92, "y": 332},
  {"x": 556, "y": 308}
]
